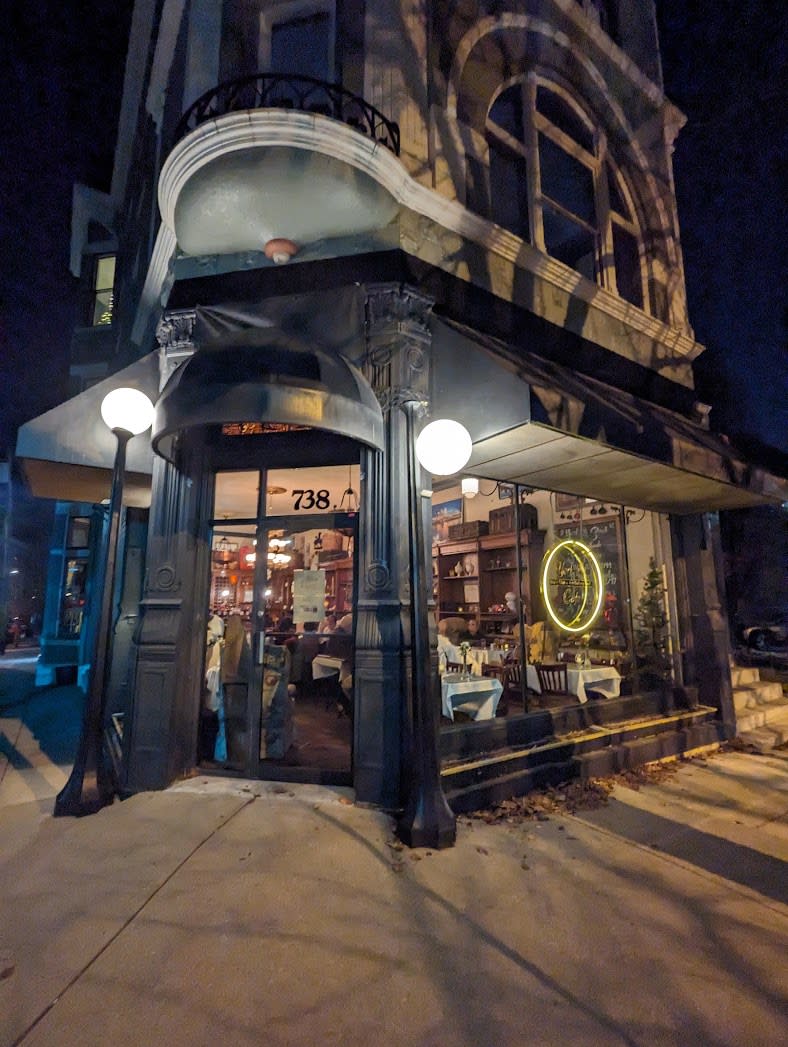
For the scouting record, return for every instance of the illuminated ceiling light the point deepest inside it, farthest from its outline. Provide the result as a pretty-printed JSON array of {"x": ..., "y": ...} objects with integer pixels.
[
  {"x": 443, "y": 447},
  {"x": 470, "y": 486},
  {"x": 279, "y": 559},
  {"x": 225, "y": 551},
  {"x": 279, "y": 543},
  {"x": 350, "y": 494}
]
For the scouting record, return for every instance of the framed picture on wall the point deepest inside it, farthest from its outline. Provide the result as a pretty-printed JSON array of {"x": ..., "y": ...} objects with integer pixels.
[
  {"x": 443, "y": 516},
  {"x": 568, "y": 501}
]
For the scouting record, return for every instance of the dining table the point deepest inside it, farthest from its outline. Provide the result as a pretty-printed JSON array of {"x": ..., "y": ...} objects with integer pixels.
[
  {"x": 325, "y": 665},
  {"x": 476, "y": 657},
  {"x": 474, "y": 695},
  {"x": 602, "y": 679}
]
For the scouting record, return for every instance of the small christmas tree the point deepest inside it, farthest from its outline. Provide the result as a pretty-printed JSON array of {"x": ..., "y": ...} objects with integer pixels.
[{"x": 651, "y": 632}]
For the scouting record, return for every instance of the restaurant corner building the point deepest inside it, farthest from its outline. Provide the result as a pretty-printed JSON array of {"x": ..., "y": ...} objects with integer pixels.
[{"x": 330, "y": 223}]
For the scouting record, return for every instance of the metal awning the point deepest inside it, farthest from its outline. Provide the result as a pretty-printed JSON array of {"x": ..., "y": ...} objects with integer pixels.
[
  {"x": 539, "y": 456},
  {"x": 68, "y": 453},
  {"x": 580, "y": 436},
  {"x": 265, "y": 376}
]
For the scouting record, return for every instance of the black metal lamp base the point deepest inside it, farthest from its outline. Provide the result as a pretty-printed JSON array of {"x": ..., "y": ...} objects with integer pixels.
[
  {"x": 90, "y": 787},
  {"x": 431, "y": 823}
]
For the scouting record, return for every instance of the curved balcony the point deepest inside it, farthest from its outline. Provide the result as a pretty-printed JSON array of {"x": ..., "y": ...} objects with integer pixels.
[
  {"x": 283, "y": 91},
  {"x": 273, "y": 163}
]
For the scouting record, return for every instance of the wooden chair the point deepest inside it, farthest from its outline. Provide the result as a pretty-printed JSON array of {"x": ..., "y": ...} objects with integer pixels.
[
  {"x": 493, "y": 670},
  {"x": 497, "y": 672},
  {"x": 553, "y": 679},
  {"x": 453, "y": 667},
  {"x": 512, "y": 685}
]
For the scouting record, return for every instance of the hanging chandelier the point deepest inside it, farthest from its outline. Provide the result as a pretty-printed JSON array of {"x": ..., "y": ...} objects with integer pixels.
[
  {"x": 350, "y": 494},
  {"x": 277, "y": 557},
  {"x": 225, "y": 551}
]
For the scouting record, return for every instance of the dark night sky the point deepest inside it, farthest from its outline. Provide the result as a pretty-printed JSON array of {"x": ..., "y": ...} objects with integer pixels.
[{"x": 722, "y": 64}]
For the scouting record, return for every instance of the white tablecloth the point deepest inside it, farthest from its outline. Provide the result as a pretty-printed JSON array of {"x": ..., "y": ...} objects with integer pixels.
[
  {"x": 603, "y": 678},
  {"x": 478, "y": 697},
  {"x": 477, "y": 657},
  {"x": 325, "y": 665}
]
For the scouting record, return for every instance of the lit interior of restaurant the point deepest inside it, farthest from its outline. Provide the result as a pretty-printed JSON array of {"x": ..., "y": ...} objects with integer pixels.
[{"x": 550, "y": 625}]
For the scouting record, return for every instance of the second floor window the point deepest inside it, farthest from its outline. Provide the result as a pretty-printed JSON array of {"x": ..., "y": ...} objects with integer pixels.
[
  {"x": 103, "y": 291},
  {"x": 552, "y": 182},
  {"x": 298, "y": 38}
]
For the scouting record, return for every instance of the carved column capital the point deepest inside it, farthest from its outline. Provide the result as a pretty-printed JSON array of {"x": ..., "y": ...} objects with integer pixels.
[
  {"x": 174, "y": 333},
  {"x": 398, "y": 339}
]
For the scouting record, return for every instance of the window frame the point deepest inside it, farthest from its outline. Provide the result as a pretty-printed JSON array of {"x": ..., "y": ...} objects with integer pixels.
[
  {"x": 95, "y": 290},
  {"x": 288, "y": 11},
  {"x": 599, "y": 164}
]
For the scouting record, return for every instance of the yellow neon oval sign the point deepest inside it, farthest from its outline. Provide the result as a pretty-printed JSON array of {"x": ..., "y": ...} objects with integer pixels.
[{"x": 574, "y": 591}]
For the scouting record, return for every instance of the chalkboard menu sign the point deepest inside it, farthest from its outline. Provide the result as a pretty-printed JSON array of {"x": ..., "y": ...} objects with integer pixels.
[{"x": 603, "y": 537}]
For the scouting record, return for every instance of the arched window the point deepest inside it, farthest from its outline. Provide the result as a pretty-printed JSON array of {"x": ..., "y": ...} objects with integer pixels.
[{"x": 552, "y": 182}]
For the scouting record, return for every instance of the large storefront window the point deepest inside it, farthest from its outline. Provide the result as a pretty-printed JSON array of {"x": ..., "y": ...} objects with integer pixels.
[
  {"x": 278, "y": 678},
  {"x": 554, "y": 621},
  {"x": 73, "y": 590},
  {"x": 72, "y": 604}
]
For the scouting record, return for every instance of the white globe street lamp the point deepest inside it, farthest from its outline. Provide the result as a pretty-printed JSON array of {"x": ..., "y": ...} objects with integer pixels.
[
  {"x": 92, "y": 783},
  {"x": 443, "y": 447},
  {"x": 127, "y": 409}
]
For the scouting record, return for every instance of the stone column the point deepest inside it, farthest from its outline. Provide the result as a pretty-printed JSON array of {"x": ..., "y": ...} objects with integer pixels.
[
  {"x": 702, "y": 615},
  {"x": 396, "y": 364},
  {"x": 160, "y": 739}
]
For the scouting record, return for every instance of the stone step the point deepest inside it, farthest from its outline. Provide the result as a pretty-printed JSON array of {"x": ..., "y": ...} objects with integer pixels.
[
  {"x": 507, "y": 760},
  {"x": 756, "y": 695},
  {"x": 770, "y": 736},
  {"x": 743, "y": 675},
  {"x": 752, "y": 719},
  {"x": 598, "y": 752},
  {"x": 666, "y": 745}
]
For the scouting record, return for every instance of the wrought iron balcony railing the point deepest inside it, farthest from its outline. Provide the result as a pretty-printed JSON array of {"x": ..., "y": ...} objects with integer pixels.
[{"x": 282, "y": 91}]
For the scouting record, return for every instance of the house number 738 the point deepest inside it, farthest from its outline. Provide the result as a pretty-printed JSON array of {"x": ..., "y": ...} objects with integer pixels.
[{"x": 309, "y": 499}]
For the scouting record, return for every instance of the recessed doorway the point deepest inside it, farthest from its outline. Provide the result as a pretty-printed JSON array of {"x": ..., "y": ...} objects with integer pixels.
[{"x": 277, "y": 695}]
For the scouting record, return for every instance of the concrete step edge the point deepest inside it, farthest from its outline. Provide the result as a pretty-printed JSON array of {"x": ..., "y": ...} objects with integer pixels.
[
  {"x": 766, "y": 738},
  {"x": 761, "y": 717}
]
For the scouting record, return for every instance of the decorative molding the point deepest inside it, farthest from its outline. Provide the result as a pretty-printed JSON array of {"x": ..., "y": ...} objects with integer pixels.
[
  {"x": 310, "y": 132},
  {"x": 378, "y": 576},
  {"x": 174, "y": 335},
  {"x": 398, "y": 338},
  {"x": 175, "y": 330},
  {"x": 165, "y": 579}
]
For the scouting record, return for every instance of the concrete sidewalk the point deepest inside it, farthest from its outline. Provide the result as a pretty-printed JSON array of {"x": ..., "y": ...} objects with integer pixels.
[{"x": 252, "y": 913}]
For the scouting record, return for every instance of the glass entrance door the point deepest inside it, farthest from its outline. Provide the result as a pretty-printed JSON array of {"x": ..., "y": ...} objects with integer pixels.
[{"x": 278, "y": 695}]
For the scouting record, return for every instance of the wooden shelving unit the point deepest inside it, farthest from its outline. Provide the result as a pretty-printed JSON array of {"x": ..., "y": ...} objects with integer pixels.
[{"x": 472, "y": 576}]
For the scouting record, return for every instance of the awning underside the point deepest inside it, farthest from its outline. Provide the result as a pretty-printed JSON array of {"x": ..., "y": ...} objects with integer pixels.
[
  {"x": 559, "y": 431},
  {"x": 540, "y": 457},
  {"x": 68, "y": 453},
  {"x": 580, "y": 436}
]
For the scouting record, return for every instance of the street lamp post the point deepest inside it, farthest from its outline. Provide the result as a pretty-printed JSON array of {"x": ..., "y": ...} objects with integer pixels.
[
  {"x": 92, "y": 784},
  {"x": 427, "y": 820}
]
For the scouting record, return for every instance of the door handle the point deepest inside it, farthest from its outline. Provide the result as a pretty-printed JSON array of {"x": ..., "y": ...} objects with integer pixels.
[{"x": 258, "y": 647}]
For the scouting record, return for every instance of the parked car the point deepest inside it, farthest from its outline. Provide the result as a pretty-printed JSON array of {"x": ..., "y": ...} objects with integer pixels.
[{"x": 767, "y": 633}]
